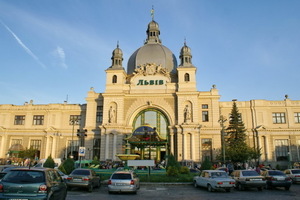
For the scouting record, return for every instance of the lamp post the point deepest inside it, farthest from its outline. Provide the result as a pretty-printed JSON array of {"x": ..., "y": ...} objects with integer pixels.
[
  {"x": 222, "y": 120},
  {"x": 73, "y": 121}
]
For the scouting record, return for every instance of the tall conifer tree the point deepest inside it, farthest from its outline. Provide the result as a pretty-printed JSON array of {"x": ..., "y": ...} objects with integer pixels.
[{"x": 237, "y": 149}]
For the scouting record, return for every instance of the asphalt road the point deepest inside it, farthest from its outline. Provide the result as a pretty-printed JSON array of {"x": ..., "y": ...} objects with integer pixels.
[{"x": 186, "y": 192}]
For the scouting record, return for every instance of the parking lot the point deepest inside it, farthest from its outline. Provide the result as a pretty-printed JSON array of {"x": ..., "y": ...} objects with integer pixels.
[{"x": 188, "y": 192}]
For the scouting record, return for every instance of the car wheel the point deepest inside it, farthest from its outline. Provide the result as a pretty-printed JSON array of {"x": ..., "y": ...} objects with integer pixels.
[
  {"x": 209, "y": 188},
  {"x": 240, "y": 187},
  {"x": 99, "y": 184},
  {"x": 259, "y": 188},
  {"x": 287, "y": 188},
  {"x": 90, "y": 188},
  {"x": 195, "y": 184},
  {"x": 268, "y": 187}
]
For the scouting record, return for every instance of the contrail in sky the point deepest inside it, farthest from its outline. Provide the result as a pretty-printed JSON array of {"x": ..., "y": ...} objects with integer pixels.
[{"x": 24, "y": 46}]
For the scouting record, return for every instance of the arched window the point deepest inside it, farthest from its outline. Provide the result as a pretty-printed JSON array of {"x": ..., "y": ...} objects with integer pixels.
[
  {"x": 186, "y": 77},
  {"x": 114, "y": 79},
  {"x": 154, "y": 118}
]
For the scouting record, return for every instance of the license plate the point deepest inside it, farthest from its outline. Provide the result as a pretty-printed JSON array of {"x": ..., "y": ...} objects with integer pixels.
[
  {"x": 119, "y": 184},
  {"x": 76, "y": 180}
]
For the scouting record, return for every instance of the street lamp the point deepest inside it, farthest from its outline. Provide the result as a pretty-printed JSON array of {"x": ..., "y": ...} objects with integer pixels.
[
  {"x": 222, "y": 120},
  {"x": 73, "y": 121}
]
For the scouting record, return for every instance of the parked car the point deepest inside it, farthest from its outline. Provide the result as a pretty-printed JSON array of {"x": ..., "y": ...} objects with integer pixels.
[
  {"x": 7, "y": 169},
  {"x": 214, "y": 180},
  {"x": 294, "y": 174},
  {"x": 225, "y": 169},
  {"x": 248, "y": 179},
  {"x": 34, "y": 183},
  {"x": 85, "y": 178},
  {"x": 276, "y": 178},
  {"x": 124, "y": 181},
  {"x": 2, "y": 174}
]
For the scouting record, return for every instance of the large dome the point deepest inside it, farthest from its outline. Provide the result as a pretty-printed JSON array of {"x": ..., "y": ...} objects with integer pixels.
[{"x": 152, "y": 53}]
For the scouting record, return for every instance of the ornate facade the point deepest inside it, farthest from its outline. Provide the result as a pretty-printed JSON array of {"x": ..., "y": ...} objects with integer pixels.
[{"x": 151, "y": 109}]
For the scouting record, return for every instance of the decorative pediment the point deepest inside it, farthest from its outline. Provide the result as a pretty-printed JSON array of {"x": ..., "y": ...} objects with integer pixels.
[
  {"x": 151, "y": 69},
  {"x": 50, "y": 129}
]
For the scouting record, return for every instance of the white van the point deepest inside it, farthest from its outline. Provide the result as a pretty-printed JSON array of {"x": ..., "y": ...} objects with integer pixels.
[{"x": 57, "y": 162}]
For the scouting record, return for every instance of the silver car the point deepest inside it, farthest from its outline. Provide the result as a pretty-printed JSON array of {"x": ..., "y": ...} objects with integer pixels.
[
  {"x": 85, "y": 178},
  {"x": 214, "y": 180},
  {"x": 124, "y": 181},
  {"x": 294, "y": 174},
  {"x": 248, "y": 179}
]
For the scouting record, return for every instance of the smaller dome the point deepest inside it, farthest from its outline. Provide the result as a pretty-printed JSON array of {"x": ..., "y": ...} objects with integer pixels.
[
  {"x": 117, "y": 52},
  {"x": 185, "y": 50},
  {"x": 153, "y": 25}
]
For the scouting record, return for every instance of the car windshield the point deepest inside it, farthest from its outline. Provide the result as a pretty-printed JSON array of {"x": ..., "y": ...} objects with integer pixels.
[
  {"x": 276, "y": 173},
  {"x": 24, "y": 177},
  {"x": 81, "y": 172},
  {"x": 296, "y": 171},
  {"x": 219, "y": 175},
  {"x": 121, "y": 176},
  {"x": 250, "y": 173}
]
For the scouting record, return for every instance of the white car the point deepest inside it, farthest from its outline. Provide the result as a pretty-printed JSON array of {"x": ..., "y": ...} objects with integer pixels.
[
  {"x": 214, "y": 180},
  {"x": 294, "y": 174}
]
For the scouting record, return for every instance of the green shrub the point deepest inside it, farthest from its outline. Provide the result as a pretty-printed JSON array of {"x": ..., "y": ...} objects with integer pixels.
[
  {"x": 68, "y": 165},
  {"x": 172, "y": 171},
  {"x": 172, "y": 162},
  {"x": 206, "y": 165},
  {"x": 49, "y": 162},
  {"x": 95, "y": 161},
  {"x": 61, "y": 168},
  {"x": 184, "y": 170}
]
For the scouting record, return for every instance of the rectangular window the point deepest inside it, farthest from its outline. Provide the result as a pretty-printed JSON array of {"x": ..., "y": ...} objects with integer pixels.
[
  {"x": 281, "y": 150},
  {"x": 19, "y": 119},
  {"x": 75, "y": 119},
  {"x": 297, "y": 117},
  {"x": 279, "y": 118},
  {"x": 38, "y": 119},
  {"x": 73, "y": 146},
  {"x": 35, "y": 144},
  {"x": 204, "y": 106},
  {"x": 205, "y": 116},
  {"x": 99, "y": 114},
  {"x": 206, "y": 147},
  {"x": 96, "y": 148}
]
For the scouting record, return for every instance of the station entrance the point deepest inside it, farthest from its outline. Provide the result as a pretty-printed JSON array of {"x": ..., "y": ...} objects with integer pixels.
[{"x": 150, "y": 136}]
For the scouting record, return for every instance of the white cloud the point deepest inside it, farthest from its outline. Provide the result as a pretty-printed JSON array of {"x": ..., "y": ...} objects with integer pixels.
[
  {"x": 59, "y": 53},
  {"x": 24, "y": 46}
]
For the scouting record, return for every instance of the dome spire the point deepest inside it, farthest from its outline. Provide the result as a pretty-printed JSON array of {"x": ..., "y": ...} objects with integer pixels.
[
  {"x": 153, "y": 31},
  {"x": 152, "y": 13},
  {"x": 185, "y": 55},
  {"x": 117, "y": 57}
]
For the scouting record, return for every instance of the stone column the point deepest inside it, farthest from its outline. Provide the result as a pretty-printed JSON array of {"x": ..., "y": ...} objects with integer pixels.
[
  {"x": 115, "y": 146},
  {"x": 106, "y": 146}
]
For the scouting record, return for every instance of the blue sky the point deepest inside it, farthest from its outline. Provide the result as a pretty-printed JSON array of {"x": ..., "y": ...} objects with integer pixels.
[{"x": 53, "y": 50}]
